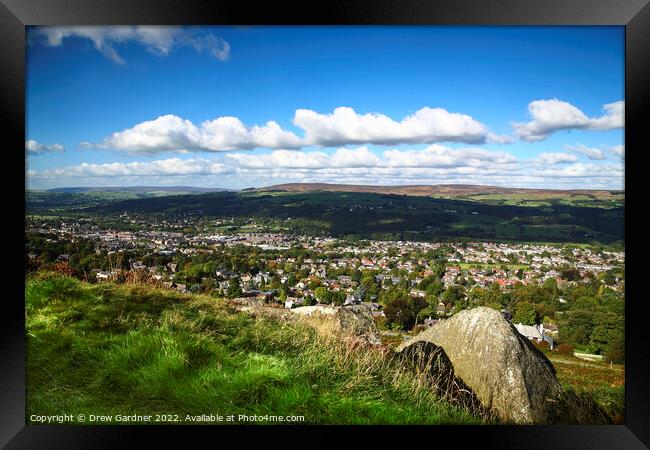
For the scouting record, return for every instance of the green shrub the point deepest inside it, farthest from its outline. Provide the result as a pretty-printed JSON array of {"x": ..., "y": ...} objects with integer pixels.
[{"x": 615, "y": 351}]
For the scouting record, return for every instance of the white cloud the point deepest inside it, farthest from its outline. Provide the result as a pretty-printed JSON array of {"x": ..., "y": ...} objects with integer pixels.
[
  {"x": 160, "y": 40},
  {"x": 32, "y": 147},
  {"x": 555, "y": 158},
  {"x": 360, "y": 157},
  {"x": 210, "y": 43},
  {"x": 229, "y": 133},
  {"x": 433, "y": 165},
  {"x": 588, "y": 176},
  {"x": 499, "y": 139},
  {"x": 172, "y": 133},
  {"x": 163, "y": 167},
  {"x": 434, "y": 156},
  {"x": 589, "y": 152},
  {"x": 440, "y": 156},
  {"x": 580, "y": 170},
  {"x": 344, "y": 126},
  {"x": 614, "y": 117},
  {"x": 284, "y": 159},
  {"x": 549, "y": 116},
  {"x": 618, "y": 150}
]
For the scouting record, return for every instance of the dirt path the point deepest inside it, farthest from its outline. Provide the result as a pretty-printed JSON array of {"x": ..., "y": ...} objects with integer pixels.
[{"x": 577, "y": 363}]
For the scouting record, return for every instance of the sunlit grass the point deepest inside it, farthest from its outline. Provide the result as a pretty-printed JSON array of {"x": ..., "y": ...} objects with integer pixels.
[{"x": 109, "y": 349}]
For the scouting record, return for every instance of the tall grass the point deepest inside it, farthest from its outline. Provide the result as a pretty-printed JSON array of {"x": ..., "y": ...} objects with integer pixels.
[{"x": 115, "y": 349}]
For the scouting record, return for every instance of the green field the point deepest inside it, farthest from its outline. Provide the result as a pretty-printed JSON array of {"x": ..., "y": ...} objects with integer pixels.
[{"x": 605, "y": 199}]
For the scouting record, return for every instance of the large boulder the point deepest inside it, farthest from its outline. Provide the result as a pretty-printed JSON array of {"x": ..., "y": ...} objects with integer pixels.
[{"x": 500, "y": 366}]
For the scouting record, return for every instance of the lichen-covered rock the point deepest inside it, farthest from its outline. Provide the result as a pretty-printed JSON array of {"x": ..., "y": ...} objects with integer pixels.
[{"x": 502, "y": 368}]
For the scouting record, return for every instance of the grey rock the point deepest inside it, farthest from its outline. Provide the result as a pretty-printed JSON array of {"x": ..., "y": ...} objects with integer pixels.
[
  {"x": 501, "y": 367},
  {"x": 357, "y": 320}
]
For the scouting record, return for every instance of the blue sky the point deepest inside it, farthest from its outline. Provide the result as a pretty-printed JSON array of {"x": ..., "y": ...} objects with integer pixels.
[{"x": 236, "y": 107}]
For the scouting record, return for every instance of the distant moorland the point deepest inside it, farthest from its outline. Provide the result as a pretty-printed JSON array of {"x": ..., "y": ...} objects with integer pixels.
[{"x": 463, "y": 191}]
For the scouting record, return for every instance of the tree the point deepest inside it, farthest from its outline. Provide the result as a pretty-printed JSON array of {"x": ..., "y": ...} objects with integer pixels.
[
  {"x": 455, "y": 295},
  {"x": 525, "y": 313},
  {"x": 609, "y": 278},
  {"x": 576, "y": 326},
  {"x": 314, "y": 282},
  {"x": 337, "y": 297},
  {"x": 550, "y": 285},
  {"x": 320, "y": 293},
  {"x": 435, "y": 289},
  {"x": 234, "y": 290},
  {"x": 570, "y": 273},
  {"x": 402, "y": 309},
  {"x": 615, "y": 351}
]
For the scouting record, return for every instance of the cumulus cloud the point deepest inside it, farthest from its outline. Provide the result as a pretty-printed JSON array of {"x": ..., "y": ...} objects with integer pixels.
[
  {"x": 581, "y": 170},
  {"x": 440, "y": 156},
  {"x": 345, "y": 126},
  {"x": 522, "y": 174},
  {"x": 163, "y": 167},
  {"x": 434, "y": 156},
  {"x": 433, "y": 165},
  {"x": 160, "y": 40},
  {"x": 589, "y": 152},
  {"x": 172, "y": 133},
  {"x": 33, "y": 147},
  {"x": 360, "y": 157},
  {"x": 555, "y": 158},
  {"x": 549, "y": 116},
  {"x": 285, "y": 159},
  {"x": 359, "y": 160},
  {"x": 342, "y": 127}
]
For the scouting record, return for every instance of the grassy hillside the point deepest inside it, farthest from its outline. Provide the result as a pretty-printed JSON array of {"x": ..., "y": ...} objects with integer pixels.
[
  {"x": 108, "y": 349},
  {"x": 73, "y": 199},
  {"x": 603, "y": 382}
]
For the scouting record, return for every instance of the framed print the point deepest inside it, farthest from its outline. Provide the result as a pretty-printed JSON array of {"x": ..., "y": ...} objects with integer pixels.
[{"x": 377, "y": 218}]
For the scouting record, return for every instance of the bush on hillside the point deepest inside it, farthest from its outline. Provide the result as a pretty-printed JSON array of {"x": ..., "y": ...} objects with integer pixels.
[
  {"x": 615, "y": 351},
  {"x": 564, "y": 349}
]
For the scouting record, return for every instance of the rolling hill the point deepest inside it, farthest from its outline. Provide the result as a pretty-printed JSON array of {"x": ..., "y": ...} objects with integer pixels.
[{"x": 447, "y": 190}]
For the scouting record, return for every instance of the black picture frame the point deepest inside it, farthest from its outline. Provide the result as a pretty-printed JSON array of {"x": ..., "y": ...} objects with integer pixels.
[{"x": 633, "y": 14}]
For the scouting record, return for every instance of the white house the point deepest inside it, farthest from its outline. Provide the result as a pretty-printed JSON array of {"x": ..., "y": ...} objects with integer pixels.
[{"x": 534, "y": 332}]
